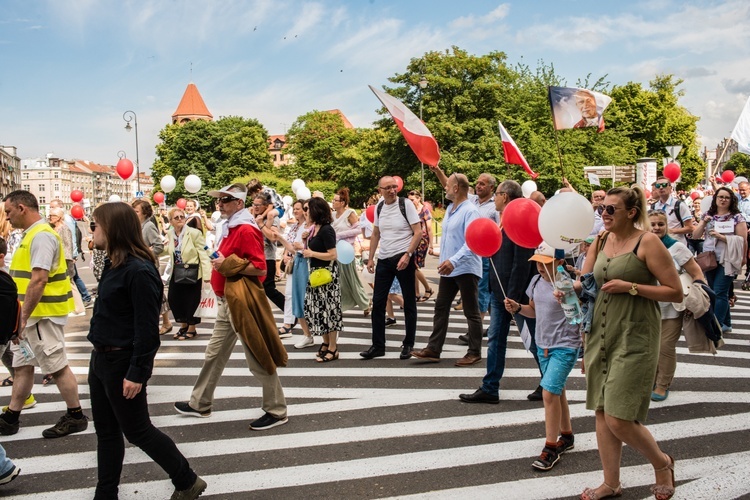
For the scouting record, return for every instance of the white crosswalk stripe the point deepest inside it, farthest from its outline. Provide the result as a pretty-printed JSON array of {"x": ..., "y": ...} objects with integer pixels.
[{"x": 392, "y": 428}]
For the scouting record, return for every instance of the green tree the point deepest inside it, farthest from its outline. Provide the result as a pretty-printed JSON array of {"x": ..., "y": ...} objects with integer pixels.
[{"x": 739, "y": 163}]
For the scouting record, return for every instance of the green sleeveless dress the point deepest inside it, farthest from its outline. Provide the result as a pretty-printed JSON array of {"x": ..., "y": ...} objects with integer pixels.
[{"x": 622, "y": 350}]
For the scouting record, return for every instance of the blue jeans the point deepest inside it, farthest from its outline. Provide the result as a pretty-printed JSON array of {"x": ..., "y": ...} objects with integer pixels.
[
  {"x": 484, "y": 286},
  {"x": 5, "y": 464},
  {"x": 85, "y": 295},
  {"x": 720, "y": 284},
  {"x": 497, "y": 343}
]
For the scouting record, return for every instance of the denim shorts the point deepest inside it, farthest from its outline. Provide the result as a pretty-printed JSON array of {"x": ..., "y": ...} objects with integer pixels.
[{"x": 556, "y": 364}]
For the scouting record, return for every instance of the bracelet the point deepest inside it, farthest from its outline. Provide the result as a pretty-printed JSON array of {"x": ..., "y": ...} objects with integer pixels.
[{"x": 520, "y": 306}]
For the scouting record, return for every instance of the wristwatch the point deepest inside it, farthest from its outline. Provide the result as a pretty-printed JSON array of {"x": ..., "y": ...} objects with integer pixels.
[
  {"x": 410, "y": 254},
  {"x": 633, "y": 289}
]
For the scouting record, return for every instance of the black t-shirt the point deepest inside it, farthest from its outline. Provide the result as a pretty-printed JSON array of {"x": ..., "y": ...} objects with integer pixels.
[{"x": 323, "y": 240}]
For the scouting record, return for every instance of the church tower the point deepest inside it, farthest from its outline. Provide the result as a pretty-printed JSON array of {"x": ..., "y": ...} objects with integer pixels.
[{"x": 191, "y": 107}]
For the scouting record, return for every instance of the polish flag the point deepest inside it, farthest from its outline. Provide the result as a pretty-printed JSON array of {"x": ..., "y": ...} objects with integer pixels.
[
  {"x": 416, "y": 133},
  {"x": 513, "y": 155}
]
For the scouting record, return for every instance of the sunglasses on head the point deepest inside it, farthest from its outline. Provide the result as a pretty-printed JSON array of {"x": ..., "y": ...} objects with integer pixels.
[
  {"x": 227, "y": 199},
  {"x": 659, "y": 185},
  {"x": 610, "y": 209},
  {"x": 92, "y": 226}
]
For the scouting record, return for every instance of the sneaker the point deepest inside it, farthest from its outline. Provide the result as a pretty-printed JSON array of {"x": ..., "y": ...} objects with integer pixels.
[
  {"x": 7, "y": 429},
  {"x": 546, "y": 460},
  {"x": 267, "y": 421},
  {"x": 10, "y": 475},
  {"x": 76, "y": 315},
  {"x": 198, "y": 487},
  {"x": 185, "y": 408},
  {"x": 390, "y": 322},
  {"x": 565, "y": 443},
  {"x": 305, "y": 342},
  {"x": 29, "y": 403},
  {"x": 66, "y": 425},
  {"x": 88, "y": 304}
]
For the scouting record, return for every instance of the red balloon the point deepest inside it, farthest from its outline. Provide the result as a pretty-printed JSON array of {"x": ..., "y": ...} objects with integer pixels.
[
  {"x": 370, "y": 213},
  {"x": 727, "y": 176},
  {"x": 521, "y": 222},
  {"x": 647, "y": 193},
  {"x": 159, "y": 197},
  {"x": 483, "y": 237},
  {"x": 77, "y": 212},
  {"x": 181, "y": 203},
  {"x": 399, "y": 183},
  {"x": 694, "y": 195},
  {"x": 124, "y": 168},
  {"x": 672, "y": 172},
  {"x": 76, "y": 195}
]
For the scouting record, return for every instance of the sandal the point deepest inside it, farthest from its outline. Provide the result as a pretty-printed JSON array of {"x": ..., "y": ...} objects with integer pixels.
[
  {"x": 326, "y": 359},
  {"x": 180, "y": 333},
  {"x": 164, "y": 330},
  {"x": 189, "y": 335},
  {"x": 323, "y": 350},
  {"x": 47, "y": 379},
  {"x": 591, "y": 494},
  {"x": 426, "y": 296},
  {"x": 284, "y": 330},
  {"x": 7, "y": 382},
  {"x": 663, "y": 491}
]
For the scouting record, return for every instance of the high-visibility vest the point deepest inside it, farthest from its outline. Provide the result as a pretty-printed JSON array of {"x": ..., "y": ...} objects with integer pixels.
[{"x": 57, "y": 298}]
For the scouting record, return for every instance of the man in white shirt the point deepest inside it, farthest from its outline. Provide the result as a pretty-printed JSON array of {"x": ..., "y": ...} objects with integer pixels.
[
  {"x": 679, "y": 218},
  {"x": 396, "y": 231}
]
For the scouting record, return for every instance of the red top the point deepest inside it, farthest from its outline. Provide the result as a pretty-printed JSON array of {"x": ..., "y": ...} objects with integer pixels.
[{"x": 244, "y": 241}]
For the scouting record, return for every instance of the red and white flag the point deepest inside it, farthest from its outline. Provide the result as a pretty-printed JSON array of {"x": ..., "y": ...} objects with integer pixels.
[
  {"x": 416, "y": 133},
  {"x": 513, "y": 155}
]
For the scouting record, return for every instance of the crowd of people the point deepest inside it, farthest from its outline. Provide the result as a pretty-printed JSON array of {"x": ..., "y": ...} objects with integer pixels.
[{"x": 632, "y": 274}]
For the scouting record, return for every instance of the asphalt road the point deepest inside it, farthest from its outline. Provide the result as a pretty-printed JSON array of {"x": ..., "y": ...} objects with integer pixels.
[{"x": 391, "y": 428}]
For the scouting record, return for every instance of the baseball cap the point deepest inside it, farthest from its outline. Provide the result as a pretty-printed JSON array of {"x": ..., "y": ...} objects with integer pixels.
[
  {"x": 236, "y": 190},
  {"x": 590, "y": 239},
  {"x": 544, "y": 254}
]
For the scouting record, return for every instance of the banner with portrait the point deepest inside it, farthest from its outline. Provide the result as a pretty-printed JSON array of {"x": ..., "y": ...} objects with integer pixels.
[{"x": 574, "y": 107}]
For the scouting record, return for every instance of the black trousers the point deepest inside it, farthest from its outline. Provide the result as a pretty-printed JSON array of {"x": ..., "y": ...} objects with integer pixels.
[
  {"x": 385, "y": 273},
  {"x": 114, "y": 416},
  {"x": 269, "y": 285},
  {"x": 468, "y": 285}
]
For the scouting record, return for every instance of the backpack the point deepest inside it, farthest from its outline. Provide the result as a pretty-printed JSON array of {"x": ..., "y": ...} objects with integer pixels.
[
  {"x": 401, "y": 206},
  {"x": 677, "y": 212},
  {"x": 10, "y": 308}
]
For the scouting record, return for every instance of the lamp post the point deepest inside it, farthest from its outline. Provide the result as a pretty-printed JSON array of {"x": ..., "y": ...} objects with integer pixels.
[
  {"x": 128, "y": 116},
  {"x": 422, "y": 86}
]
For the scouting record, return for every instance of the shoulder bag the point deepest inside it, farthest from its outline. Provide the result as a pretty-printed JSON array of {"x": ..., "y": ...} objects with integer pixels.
[{"x": 707, "y": 261}]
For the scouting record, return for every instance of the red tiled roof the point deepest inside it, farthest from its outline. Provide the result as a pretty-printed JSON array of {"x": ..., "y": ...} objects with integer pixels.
[
  {"x": 346, "y": 121},
  {"x": 192, "y": 104}
]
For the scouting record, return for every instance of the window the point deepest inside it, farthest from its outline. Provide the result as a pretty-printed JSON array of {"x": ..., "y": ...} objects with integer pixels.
[
  {"x": 57, "y": 187},
  {"x": 26, "y": 187},
  {"x": 41, "y": 187},
  {"x": 57, "y": 175},
  {"x": 42, "y": 199},
  {"x": 25, "y": 175},
  {"x": 40, "y": 175},
  {"x": 281, "y": 157}
]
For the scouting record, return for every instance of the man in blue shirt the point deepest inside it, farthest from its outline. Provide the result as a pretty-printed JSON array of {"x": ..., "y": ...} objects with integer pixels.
[{"x": 460, "y": 270}]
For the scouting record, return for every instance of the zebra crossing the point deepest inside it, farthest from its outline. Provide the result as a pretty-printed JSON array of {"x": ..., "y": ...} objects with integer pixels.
[{"x": 388, "y": 428}]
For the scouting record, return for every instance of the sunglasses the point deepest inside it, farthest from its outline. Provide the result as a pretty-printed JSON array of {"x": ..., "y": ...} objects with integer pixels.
[
  {"x": 304, "y": 209},
  {"x": 610, "y": 209},
  {"x": 659, "y": 185},
  {"x": 412, "y": 193},
  {"x": 178, "y": 217},
  {"x": 92, "y": 226},
  {"x": 227, "y": 199}
]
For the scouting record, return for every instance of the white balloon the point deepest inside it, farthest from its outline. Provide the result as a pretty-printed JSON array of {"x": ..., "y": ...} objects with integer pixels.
[
  {"x": 739, "y": 179},
  {"x": 527, "y": 188},
  {"x": 304, "y": 193},
  {"x": 296, "y": 184},
  {"x": 192, "y": 183},
  {"x": 114, "y": 197},
  {"x": 566, "y": 220},
  {"x": 706, "y": 203},
  {"x": 287, "y": 201},
  {"x": 168, "y": 183}
]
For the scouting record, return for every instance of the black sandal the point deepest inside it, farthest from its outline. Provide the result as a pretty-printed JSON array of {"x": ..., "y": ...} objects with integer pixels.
[
  {"x": 325, "y": 359},
  {"x": 323, "y": 350},
  {"x": 7, "y": 382},
  {"x": 180, "y": 334},
  {"x": 426, "y": 296}
]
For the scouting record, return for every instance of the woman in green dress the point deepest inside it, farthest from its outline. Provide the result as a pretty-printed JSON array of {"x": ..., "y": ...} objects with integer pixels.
[{"x": 622, "y": 348}]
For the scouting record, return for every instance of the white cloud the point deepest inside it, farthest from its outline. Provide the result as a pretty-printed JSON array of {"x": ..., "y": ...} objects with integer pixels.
[
  {"x": 309, "y": 17},
  {"x": 470, "y": 21}
]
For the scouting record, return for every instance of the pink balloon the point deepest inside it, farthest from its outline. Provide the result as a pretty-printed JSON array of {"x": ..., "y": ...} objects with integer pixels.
[
  {"x": 76, "y": 195},
  {"x": 483, "y": 237},
  {"x": 181, "y": 203},
  {"x": 521, "y": 222},
  {"x": 672, "y": 172},
  {"x": 158, "y": 197},
  {"x": 399, "y": 183},
  {"x": 124, "y": 168}
]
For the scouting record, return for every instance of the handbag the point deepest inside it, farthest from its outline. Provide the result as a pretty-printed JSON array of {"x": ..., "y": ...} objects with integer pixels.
[
  {"x": 321, "y": 276},
  {"x": 289, "y": 267},
  {"x": 185, "y": 274},
  {"x": 707, "y": 261}
]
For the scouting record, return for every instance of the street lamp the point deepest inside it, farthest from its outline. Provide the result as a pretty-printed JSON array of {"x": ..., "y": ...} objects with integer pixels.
[
  {"x": 128, "y": 117},
  {"x": 422, "y": 86}
]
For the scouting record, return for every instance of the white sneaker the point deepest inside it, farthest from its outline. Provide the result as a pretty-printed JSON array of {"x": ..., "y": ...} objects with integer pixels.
[{"x": 305, "y": 342}]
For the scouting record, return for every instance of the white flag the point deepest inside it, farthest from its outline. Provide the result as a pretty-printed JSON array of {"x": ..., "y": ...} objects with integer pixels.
[{"x": 741, "y": 132}]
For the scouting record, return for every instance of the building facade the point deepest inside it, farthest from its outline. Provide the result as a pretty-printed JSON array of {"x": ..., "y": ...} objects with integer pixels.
[{"x": 10, "y": 170}]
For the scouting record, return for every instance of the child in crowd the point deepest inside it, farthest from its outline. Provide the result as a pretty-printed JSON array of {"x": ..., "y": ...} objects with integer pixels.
[{"x": 558, "y": 343}]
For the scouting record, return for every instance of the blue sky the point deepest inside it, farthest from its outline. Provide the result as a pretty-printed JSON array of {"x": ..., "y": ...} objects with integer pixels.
[{"x": 71, "y": 68}]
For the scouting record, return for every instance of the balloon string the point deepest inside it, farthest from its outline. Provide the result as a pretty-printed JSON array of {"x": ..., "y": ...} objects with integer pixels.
[{"x": 498, "y": 279}]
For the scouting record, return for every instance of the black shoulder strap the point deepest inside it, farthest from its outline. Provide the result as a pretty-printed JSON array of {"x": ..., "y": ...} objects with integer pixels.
[
  {"x": 533, "y": 285},
  {"x": 677, "y": 212},
  {"x": 401, "y": 206}
]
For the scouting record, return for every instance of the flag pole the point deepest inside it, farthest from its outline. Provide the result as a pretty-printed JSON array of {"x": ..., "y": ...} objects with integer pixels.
[{"x": 557, "y": 140}]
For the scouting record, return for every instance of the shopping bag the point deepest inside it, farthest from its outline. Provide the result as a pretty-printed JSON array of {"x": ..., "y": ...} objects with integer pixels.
[
  {"x": 80, "y": 308},
  {"x": 207, "y": 307}
]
